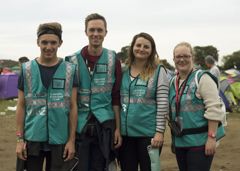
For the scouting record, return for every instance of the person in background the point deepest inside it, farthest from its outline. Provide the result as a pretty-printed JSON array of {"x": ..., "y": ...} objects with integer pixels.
[
  {"x": 144, "y": 100},
  {"x": 1, "y": 69},
  {"x": 195, "y": 113},
  {"x": 46, "y": 112},
  {"x": 99, "y": 75},
  {"x": 213, "y": 69},
  {"x": 23, "y": 59}
]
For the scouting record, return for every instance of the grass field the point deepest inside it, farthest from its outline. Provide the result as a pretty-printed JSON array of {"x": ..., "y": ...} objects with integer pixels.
[{"x": 4, "y": 104}]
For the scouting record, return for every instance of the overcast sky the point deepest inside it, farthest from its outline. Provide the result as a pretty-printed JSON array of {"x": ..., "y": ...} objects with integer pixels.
[{"x": 200, "y": 22}]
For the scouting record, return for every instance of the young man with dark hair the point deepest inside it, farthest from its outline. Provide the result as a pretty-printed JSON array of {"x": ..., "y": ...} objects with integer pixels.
[
  {"x": 99, "y": 74},
  {"x": 47, "y": 111}
]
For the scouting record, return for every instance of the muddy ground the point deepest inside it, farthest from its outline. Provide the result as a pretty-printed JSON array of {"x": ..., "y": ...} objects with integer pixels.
[{"x": 227, "y": 157}]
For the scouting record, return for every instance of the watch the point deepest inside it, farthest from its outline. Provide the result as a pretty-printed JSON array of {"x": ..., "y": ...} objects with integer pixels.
[{"x": 212, "y": 134}]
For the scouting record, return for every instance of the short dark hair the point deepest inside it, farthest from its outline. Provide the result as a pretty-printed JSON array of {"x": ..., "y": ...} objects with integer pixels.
[
  {"x": 95, "y": 16},
  {"x": 23, "y": 59},
  {"x": 50, "y": 28}
]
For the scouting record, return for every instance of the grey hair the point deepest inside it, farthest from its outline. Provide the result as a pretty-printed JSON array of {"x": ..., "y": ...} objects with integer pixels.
[{"x": 210, "y": 60}]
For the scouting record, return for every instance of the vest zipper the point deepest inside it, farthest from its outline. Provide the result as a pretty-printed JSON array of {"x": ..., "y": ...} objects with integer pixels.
[
  {"x": 129, "y": 90},
  {"x": 48, "y": 138}
]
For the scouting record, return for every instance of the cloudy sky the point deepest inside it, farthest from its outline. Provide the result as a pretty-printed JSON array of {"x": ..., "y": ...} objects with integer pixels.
[{"x": 202, "y": 23}]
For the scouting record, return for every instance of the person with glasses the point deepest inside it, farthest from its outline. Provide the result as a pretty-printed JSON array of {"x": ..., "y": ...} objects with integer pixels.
[{"x": 195, "y": 112}]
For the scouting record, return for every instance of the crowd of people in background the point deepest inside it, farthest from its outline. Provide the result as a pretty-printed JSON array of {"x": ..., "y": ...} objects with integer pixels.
[{"x": 89, "y": 112}]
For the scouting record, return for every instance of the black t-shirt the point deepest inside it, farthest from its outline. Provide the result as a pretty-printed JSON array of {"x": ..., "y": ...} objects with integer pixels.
[{"x": 46, "y": 76}]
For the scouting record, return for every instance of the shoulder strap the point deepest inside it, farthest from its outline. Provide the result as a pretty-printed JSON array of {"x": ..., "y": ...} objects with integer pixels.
[
  {"x": 202, "y": 72},
  {"x": 172, "y": 80},
  {"x": 196, "y": 77}
]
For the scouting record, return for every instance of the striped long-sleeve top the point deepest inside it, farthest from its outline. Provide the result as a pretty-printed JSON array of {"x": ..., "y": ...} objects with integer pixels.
[{"x": 162, "y": 100}]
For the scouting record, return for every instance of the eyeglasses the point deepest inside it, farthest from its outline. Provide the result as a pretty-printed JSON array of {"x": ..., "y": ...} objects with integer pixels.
[{"x": 185, "y": 57}]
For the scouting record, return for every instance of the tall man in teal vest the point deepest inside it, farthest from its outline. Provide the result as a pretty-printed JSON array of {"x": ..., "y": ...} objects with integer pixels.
[
  {"x": 47, "y": 110},
  {"x": 99, "y": 75}
]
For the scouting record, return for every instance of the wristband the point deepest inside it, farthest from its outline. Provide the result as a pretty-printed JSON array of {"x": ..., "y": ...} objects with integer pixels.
[
  {"x": 20, "y": 139},
  {"x": 19, "y": 134},
  {"x": 212, "y": 134}
]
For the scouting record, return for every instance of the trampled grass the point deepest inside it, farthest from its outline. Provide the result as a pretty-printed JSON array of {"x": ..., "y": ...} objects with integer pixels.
[{"x": 6, "y": 106}]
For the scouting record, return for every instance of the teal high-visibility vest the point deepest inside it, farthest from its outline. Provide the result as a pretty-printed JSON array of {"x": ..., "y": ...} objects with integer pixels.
[
  {"x": 47, "y": 110},
  {"x": 139, "y": 108},
  {"x": 95, "y": 89},
  {"x": 191, "y": 111}
]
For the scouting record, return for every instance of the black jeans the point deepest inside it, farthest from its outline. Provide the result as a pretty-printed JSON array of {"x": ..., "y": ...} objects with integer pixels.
[
  {"x": 193, "y": 159},
  {"x": 95, "y": 145},
  {"x": 89, "y": 153},
  {"x": 53, "y": 158},
  {"x": 35, "y": 163},
  {"x": 133, "y": 152}
]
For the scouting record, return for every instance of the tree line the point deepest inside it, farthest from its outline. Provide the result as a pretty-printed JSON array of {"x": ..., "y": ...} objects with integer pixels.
[{"x": 229, "y": 61}]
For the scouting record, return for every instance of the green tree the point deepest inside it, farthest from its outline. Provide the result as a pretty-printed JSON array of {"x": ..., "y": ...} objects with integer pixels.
[
  {"x": 165, "y": 63},
  {"x": 8, "y": 63},
  {"x": 124, "y": 51},
  {"x": 232, "y": 61},
  {"x": 120, "y": 56},
  {"x": 202, "y": 51},
  {"x": 124, "y": 54}
]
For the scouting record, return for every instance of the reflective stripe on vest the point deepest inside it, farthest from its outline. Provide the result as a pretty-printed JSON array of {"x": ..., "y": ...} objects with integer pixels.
[
  {"x": 94, "y": 90},
  {"x": 40, "y": 102},
  {"x": 147, "y": 99},
  {"x": 192, "y": 111},
  {"x": 138, "y": 100}
]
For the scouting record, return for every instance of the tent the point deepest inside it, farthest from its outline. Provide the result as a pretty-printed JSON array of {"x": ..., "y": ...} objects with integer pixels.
[
  {"x": 225, "y": 101},
  {"x": 230, "y": 86},
  {"x": 8, "y": 86}
]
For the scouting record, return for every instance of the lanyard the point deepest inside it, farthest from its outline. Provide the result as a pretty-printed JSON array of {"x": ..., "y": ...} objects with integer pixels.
[{"x": 179, "y": 92}]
